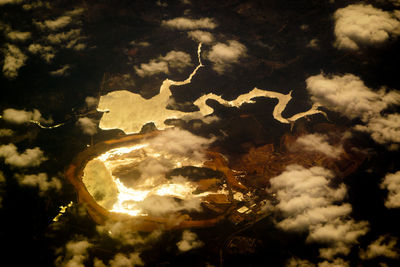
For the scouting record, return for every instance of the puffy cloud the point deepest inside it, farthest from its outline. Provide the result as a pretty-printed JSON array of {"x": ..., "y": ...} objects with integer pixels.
[
  {"x": 349, "y": 96},
  {"x": 189, "y": 24},
  {"x": 319, "y": 143},
  {"x": 6, "y": 132},
  {"x": 14, "y": 59},
  {"x": 384, "y": 130},
  {"x": 181, "y": 142},
  {"x": 340, "y": 234},
  {"x": 308, "y": 203},
  {"x": 68, "y": 40},
  {"x": 56, "y": 24},
  {"x": 31, "y": 157},
  {"x": 384, "y": 246},
  {"x": 121, "y": 260},
  {"x": 46, "y": 52},
  {"x": 172, "y": 60},
  {"x": 74, "y": 254},
  {"x": 18, "y": 36},
  {"x": 40, "y": 181},
  {"x": 223, "y": 55},
  {"x": 87, "y": 125},
  {"x": 363, "y": 25},
  {"x": 91, "y": 101},
  {"x": 189, "y": 241},
  {"x": 391, "y": 182},
  {"x": 22, "y": 116},
  {"x": 60, "y": 22},
  {"x": 63, "y": 71},
  {"x": 201, "y": 36}
]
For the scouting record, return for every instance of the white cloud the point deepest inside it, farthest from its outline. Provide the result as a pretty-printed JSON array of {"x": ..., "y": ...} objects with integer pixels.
[
  {"x": 60, "y": 22},
  {"x": 340, "y": 234},
  {"x": 63, "y": 71},
  {"x": 172, "y": 60},
  {"x": 223, "y": 55},
  {"x": 161, "y": 205},
  {"x": 391, "y": 182},
  {"x": 75, "y": 254},
  {"x": 319, "y": 143},
  {"x": 22, "y": 116},
  {"x": 58, "y": 38},
  {"x": 6, "y": 132},
  {"x": 201, "y": 36},
  {"x": 46, "y": 52},
  {"x": 91, "y": 101},
  {"x": 181, "y": 142},
  {"x": 39, "y": 180},
  {"x": 56, "y": 24},
  {"x": 384, "y": 129},
  {"x": 349, "y": 96},
  {"x": 384, "y": 246},
  {"x": 189, "y": 241},
  {"x": 14, "y": 59},
  {"x": 31, "y": 157},
  {"x": 18, "y": 36},
  {"x": 189, "y": 24},
  {"x": 131, "y": 260},
  {"x": 308, "y": 203},
  {"x": 363, "y": 25},
  {"x": 87, "y": 125}
]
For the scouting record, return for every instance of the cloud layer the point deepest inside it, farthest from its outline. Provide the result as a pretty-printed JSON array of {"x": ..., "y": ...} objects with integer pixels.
[{"x": 309, "y": 204}]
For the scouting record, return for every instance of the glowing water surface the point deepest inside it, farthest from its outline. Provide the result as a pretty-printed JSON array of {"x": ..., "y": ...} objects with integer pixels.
[{"x": 110, "y": 192}]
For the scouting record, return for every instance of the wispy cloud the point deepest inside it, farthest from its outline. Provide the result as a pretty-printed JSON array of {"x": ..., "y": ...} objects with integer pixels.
[
  {"x": 173, "y": 60},
  {"x": 182, "y": 23}
]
